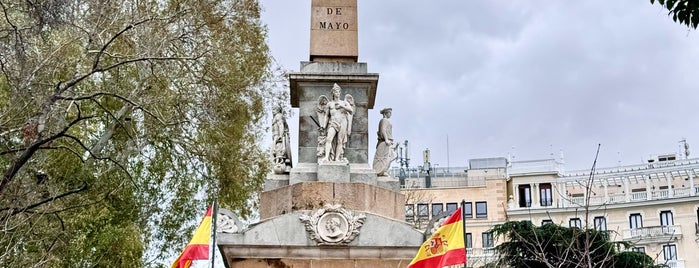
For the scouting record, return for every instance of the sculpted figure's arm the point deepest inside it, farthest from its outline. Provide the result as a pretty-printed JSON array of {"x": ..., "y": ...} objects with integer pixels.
[{"x": 322, "y": 111}]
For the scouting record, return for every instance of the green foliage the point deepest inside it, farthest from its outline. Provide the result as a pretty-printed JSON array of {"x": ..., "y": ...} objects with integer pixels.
[
  {"x": 684, "y": 11},
  {"x": 120, "y": 121},
  {"x": 551, "y": 245}
]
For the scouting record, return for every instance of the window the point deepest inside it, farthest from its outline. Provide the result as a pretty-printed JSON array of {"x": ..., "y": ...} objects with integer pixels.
[
  {"x": 600, "y": 223},
  {"x": 639, "y": 249},
  {"x": 451, "y": 207},
  {"x": 481, "y": 210},
  {"x": 635, "y": 221},
  {"x": 575, "y": 222},
  {"x": 666, "y": 218},
  {"x": 468, "y": 210},
  {"x": 488, "y": 240},
  {"x": 545, "y": 194},
  {"x": 670, "y": 252},
  {"x": 422, "y": 211},
  {"x": 469, "y": 240},
  {"x": 409, "y": 212},
  {"x": 437, "y": 209},
  {"x": 547, "y": 221},
  {"x": 525, "y": 196}
]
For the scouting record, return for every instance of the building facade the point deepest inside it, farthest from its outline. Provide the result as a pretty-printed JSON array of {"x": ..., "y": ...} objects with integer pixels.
[{"x": 654, "y": 205}]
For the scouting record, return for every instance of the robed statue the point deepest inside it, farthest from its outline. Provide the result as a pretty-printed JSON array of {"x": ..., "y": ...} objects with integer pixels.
[
  {"x": 335, "y": 121},
  {"x": 385, "y": 152},
  {"x": 282, "y": 148}
]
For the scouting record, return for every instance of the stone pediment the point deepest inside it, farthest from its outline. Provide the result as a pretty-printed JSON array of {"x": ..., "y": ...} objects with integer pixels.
[{"x": 290, "y": 230}]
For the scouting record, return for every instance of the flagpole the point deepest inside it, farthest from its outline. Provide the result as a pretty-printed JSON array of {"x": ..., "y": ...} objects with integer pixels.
[
  {"x": 214, "y": 215},
  {"x": 463, "y": 222}
]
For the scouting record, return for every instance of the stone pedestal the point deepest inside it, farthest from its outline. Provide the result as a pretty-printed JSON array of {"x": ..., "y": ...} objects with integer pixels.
[
  {"x": 334, "y": 172},
  {"x": 275, "y": 181},
  {"x": 314, "y": 195}
]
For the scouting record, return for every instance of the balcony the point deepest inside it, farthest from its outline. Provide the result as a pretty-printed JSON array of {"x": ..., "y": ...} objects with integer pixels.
[
  {"x": 672, "y": 263},
  {"x": 444, "y": 182},
  {"x": 477, "y": 257},
  {"x": 653, "y": 234},
  {"x": 620, "y": 198}
]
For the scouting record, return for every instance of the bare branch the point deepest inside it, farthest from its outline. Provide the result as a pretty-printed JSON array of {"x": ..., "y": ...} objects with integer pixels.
[
  {"x": 15, "y": 211},
  {"x": 31, "y": 150}
]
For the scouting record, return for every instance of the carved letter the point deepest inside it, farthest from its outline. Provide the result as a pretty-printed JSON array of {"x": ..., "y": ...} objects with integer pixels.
[
  {"x": 337, "y": 25},
  {"x": 345, "y": 26},
  {"x": 330, "y": 25},
  {"x": 324, "y": 26},
  {"x": 330, "y": 11},
  {"x": 337, "y": 11}
]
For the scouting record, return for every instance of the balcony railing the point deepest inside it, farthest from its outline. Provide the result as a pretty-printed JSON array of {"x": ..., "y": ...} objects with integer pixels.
[
  {"x": 618, "y": 198},
  {"x": 673, "y": 263},
  {"x": 477, "y": 257},
  {"x": 652, "y": 232},
  {"x": 445, "y": 182}
]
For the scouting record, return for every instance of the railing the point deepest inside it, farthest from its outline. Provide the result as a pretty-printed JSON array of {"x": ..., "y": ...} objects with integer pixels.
[
  {"x": 673, "y": 263},
  {"x": 618, "y": 198},
  {"x": 477, "y": 257},
  {"x": 682, "y": 192},
  {"x": 661, "y": 194},
  {"x": 653, "y": 231},
  {"x": 536, "y": 166},
  {"x": 638, "y": 196},
  {"x": 445, "y": 182}
]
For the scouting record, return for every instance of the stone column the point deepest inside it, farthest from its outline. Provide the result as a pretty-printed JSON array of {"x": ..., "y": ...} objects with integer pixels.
[
  {"x": 536, "y": 196},
  {"x": 627, "y": 189},
  {"x": 649, "y": 194},
  {"x": 561, "y": 195},
  {"x": 670, "y": 191},
  {"x": 692, "y": 191},
  {"x": 606, "y": 192}
]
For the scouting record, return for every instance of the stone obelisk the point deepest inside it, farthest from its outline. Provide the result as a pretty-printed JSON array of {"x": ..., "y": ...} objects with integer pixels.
[{"x": 330, "y": 209}]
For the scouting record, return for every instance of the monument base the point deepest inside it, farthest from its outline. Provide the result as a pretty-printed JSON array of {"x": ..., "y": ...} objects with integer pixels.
[
  {"x": 286, "y": 241},
  {"x": 334, "y": 172},
  {"x": 388, "y": 182},
  {"x": 314, "y": 195}
]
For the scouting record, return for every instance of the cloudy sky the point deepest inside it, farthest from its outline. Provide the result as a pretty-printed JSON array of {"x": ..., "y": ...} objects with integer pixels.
[{"x": 527, "y": 78}]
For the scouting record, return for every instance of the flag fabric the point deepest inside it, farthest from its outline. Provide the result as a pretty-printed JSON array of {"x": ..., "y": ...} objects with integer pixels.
[
  {"x": 445, "y": 247},
  {"x": 198, "y": 247}
]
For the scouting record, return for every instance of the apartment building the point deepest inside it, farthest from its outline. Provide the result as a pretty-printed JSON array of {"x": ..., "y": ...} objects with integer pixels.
[{"x": 655, "y": 205}]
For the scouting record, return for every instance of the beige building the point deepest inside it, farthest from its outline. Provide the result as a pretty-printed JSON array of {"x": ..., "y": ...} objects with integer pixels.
[{"x": 655, "y": 205}]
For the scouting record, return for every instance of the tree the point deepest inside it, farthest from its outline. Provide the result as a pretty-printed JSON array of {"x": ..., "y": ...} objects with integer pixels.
[
  {"x": 552, "y": 245},
  {"x": 684, "y": 11},
  {"x": 121, "y": 120}
]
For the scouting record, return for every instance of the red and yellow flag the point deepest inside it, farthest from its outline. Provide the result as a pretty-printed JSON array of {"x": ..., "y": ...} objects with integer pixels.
[
  {"x": 445, "y": 247},
  {"x": 198, "y": 247}
]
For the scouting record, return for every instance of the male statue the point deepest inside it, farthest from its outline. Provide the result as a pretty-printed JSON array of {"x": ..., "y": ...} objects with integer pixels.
[{"x": 335, "y": 118}]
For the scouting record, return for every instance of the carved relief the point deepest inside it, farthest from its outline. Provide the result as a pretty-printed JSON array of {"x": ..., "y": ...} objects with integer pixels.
[
  {"x": 228, "y": 222},
  {"x": 333, "y": 225}
]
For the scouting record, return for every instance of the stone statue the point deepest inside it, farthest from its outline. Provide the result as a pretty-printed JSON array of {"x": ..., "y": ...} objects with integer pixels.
[
  {"x": 335, "y": 120},
  {"x": 282, "y": 147},
  {"x": 385, "y": 152}
]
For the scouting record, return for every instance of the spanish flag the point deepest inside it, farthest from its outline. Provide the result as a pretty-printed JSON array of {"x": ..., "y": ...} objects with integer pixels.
[
  {"x": 198, "y": 247},
  {"x": 445, "y": 247}
]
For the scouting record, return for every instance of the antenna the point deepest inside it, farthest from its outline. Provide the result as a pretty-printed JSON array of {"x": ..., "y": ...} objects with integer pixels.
[{"x": 447, "y": 152}]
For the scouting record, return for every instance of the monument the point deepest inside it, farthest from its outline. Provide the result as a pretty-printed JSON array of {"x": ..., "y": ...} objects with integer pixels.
[{"x": 330, "y": 209}]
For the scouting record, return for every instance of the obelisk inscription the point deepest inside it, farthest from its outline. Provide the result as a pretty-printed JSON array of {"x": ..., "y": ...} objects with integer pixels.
[{"x": 334, "y": 30}]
